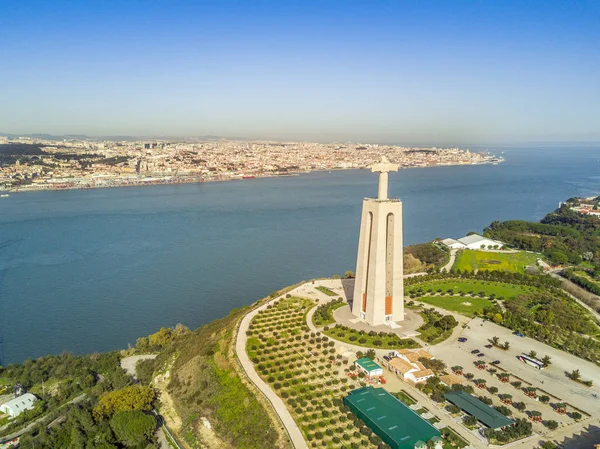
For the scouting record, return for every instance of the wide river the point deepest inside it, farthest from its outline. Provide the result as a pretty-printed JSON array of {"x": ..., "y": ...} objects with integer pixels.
[{"x": 93, "y": 270}]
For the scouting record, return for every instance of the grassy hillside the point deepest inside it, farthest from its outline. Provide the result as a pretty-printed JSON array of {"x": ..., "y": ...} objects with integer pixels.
[
  {"x": 199, "y": 381},
  {"x": 486, "y": 260}
]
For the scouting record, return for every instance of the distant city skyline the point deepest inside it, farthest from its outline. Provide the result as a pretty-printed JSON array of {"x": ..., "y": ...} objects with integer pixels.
[{"x": 440, "y": 72}]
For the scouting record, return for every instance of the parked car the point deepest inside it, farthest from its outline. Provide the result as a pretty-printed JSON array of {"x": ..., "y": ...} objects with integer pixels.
[
  {"x": 496, "y": 362},
  {"x": 519, "y": 334},
  {"x": 386, "y": 357},
  {"x": 474, "y": 351},
  {"x": 481, "y": 354},
  {"x": 489, "y": 346},
  {"x": 462, "y": 339}
]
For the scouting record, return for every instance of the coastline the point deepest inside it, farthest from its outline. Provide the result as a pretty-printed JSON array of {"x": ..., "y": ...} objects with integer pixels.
[{"x": 171, "y": 180}]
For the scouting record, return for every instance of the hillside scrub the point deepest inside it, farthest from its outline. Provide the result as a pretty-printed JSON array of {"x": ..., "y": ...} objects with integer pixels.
[
  {"x": 204, "y": 383},
  {"x": 423, "y": 257}
]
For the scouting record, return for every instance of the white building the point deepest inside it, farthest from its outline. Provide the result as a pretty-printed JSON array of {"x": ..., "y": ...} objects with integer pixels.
[
  {"x": 453, "y": 244},
  {"x": 405, "y": 364},
  {"x": 369, "y": 367},
  {"x": 18, "y": 405},
  {"x": 473, "y": 241}
]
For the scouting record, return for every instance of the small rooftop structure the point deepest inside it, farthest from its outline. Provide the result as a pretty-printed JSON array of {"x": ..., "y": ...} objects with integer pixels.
[
  {"x": 451, "y": 379},
  {"x": 474, "y": 407},
  {"x": 395, "y": 423},
  {"x": 18, "y": 405},
  {"x": 369, "y": 367}
]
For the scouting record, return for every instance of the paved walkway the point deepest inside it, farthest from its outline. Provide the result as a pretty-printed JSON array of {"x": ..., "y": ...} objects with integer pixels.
[
  {"x": 404, "y": 329},
  {"x": 292, "y": 429},
  {"x": 129, "y": 363},
  {"x": 450, "y": 263}
]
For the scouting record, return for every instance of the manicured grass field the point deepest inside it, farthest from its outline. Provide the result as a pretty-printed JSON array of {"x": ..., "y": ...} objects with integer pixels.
[
  {"x": 463, "y": 305},
  {"x": 471, "y": 285},
  {"x": 472, "y": 260}
]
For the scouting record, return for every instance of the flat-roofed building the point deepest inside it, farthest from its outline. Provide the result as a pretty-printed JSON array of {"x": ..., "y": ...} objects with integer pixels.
[
  {"x": 395, "y": 423},
  {"x": 474, "y": 407},
  {"x": 369, "y": 367}
]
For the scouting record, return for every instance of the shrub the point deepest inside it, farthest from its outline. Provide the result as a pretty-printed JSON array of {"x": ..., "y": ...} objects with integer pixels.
[{"x": 133, "y": 427}]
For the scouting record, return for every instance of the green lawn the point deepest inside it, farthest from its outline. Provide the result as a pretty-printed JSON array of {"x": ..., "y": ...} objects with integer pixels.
[
  {"x": 459, "y": 442},
  {"x": 472, "y": 260},
  {"x": 463, "y": 305},
  {"x": 405, "y": 397},
  {"x": 252, "y": 342},
  {"x": 472, "y": 285},
  {"x": 326, "y": 290},
  {"x": 386, "y": 341}
]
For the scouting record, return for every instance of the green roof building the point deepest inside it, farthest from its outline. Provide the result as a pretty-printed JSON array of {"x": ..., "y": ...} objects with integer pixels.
[
  {"x": 474, "y": 407},
  {"x": 395, "y": 423},
  {"x": 369, "y": 367}
]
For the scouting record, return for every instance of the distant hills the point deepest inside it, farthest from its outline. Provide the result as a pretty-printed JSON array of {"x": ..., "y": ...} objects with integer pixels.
[{"x": 60, "y": 137}]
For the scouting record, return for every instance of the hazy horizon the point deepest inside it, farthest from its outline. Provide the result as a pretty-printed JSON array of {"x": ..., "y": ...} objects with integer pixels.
[{"x": 435, "y": 73}]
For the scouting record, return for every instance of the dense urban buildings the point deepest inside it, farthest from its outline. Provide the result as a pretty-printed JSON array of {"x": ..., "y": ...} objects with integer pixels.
[{"x": 35, "y": 164}]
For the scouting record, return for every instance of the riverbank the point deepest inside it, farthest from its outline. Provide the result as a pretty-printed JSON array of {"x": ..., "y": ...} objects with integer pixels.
[{"x": 130, "y": 181}]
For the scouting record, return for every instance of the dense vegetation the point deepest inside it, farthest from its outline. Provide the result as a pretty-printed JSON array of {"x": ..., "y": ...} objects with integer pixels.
[
  {"x": 423, "y": 257},
  {"x": 20, "y": 149},
  {"x": 564, "y": 235},
  {"x": 323, "y": 315},
  {"x": 74, "y": 388},
  {"x": 437, "y": 327},
  {"x": 109, "y": 412},
  {"x": 522, "y": 428}
]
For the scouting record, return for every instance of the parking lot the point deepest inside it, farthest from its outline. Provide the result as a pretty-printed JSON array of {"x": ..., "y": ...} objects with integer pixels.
[{"x": 552, "y": 379}]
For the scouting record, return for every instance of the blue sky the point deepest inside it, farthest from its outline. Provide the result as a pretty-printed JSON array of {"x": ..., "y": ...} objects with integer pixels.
[{"x": 448, "y": 72}]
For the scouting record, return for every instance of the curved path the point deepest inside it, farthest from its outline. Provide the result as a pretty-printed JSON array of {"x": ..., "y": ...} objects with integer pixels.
[
  {"x": 450, "y": 263},
  {"x": 292, "y": 429}
]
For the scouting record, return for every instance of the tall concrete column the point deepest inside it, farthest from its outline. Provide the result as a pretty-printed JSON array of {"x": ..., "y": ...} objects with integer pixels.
[{"x": 379, "y": 286}]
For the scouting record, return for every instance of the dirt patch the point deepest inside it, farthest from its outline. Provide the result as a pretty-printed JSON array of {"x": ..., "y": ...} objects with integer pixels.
[
  {"x": 491, "y": 262},
  {"x": 207, "y": 435},
  {"x": 466, "y": 303},
  {"x": 167, "y": 410}
]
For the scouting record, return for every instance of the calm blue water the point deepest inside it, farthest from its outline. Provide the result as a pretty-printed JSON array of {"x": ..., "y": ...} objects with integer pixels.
[{"x": 86, "y": 271}]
